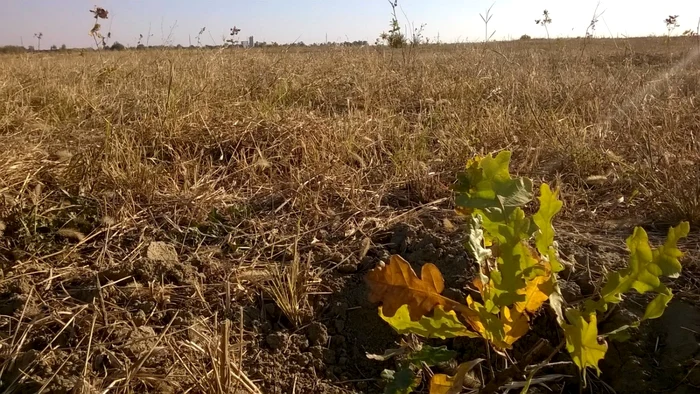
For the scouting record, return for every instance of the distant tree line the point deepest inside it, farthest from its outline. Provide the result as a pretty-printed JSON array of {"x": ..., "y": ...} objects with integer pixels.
[
  {"x": 357, "y": 43},
  {"x": 117, "y": 46},
  {"x": 21, "y": 49}
]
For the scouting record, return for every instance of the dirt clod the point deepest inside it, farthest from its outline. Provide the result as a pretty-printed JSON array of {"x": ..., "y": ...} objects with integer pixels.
[
  {"x": 161, "y": 251},
  {"x": 317, "y": 334},
  {"x": 276, "y": 340},
  {"x": 347, "y": 268},
  {"x": 569, "y": 290},
  {"x": 300, "y": 341},
  {"x": 141, "y": 340}
]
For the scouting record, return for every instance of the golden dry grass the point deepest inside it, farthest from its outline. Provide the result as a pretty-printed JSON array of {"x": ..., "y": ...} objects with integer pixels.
[{"x": 236, "y": 158}]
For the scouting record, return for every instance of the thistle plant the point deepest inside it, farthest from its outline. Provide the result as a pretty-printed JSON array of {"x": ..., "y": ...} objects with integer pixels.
[
  {"x": 671, "y": 24},
  {"x": 100, "y": 40},
  {"x": 234, "y": 32},
  {"x": 590, "y": 30},
  {"x": 545, "y": 21},
  {"x": 199, "y": 36},
  {"x": 38, "y": 37}
]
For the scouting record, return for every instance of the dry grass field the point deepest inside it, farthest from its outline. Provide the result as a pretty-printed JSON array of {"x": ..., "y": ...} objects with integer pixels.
[{"x": 201, "y": 220}]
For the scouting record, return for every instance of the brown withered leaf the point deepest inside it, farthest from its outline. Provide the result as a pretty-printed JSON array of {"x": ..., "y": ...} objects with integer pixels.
[
  {"x": 95, "y": 29},
  {"x": 396, "y": 284},
  {"x": 100, "y": 12}
]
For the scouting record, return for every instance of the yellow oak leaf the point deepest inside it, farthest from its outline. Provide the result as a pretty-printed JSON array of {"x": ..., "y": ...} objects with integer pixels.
[
  {"x": 501, "y": 329},
  {"x": 582, "y": 341},
  {"x": 515, "y": 325},
  {"x": 536, "y": 292},
  {"x": 445, "y": 384}
]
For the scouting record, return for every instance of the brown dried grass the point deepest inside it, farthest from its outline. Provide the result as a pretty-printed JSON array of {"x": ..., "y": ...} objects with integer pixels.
[{"x": 233, "y": 157}]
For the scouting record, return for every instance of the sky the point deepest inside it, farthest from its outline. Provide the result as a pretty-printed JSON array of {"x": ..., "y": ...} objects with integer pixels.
[{"x": 178, "y": 21}]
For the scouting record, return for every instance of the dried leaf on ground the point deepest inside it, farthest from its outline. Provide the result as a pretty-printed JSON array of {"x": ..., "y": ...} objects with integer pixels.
[
  {"x": 71, "y": 233},
  {"x": 389, "y": 353},
  {"x": 396, "y": 284}
]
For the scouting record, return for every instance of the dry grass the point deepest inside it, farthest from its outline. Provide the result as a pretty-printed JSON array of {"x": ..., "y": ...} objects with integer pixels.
[
  {"x": 222, "y": 154},
  {"x": 289, "y": 287}
]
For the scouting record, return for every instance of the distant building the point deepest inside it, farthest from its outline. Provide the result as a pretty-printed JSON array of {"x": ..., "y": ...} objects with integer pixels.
[{"x": 251, "y": 42}]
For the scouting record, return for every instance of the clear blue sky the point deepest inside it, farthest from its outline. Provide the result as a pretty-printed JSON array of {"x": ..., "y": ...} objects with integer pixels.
[{"x": 68, "y": 21}]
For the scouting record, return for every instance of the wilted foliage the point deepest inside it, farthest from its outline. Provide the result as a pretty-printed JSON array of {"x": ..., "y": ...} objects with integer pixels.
[
  {"x": 100, "y": 12},
  {"x": 100, "y": 40}
]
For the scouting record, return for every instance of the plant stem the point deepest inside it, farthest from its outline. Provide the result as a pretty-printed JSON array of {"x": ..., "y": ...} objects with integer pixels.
[
  {"x": 507, "y": 374},
  {"x": 488, "y": 359},
  {"x": 544, "y": 363}
]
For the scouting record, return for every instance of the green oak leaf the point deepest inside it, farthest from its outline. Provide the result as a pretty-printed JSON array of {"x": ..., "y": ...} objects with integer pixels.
[
  {"x": 646, "y": 266},
  {"x": 516, "y": 260},
  {"x": 403, "y": 381},
  {"x": 657, "y": 306},
  {"x": 431, "y": 356},
  {"x": 582, "y": 341},
  {"x": 486, "y": 184},
  {"x": 550, "y": 205},
  {"x": 621, "y": 333},
  {"x": 441, "y": 325}
]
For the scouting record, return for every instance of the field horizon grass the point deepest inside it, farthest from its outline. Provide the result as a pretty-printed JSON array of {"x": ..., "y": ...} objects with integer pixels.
[{"x": 148, "y": 196}]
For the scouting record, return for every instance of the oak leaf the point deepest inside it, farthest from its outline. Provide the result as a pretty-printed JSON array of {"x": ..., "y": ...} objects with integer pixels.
[
  {"x": 516, "y": 260},
  {"x": 403, "y": 381},
  {"x": 646, "y": 266},
  {"x": 486, "y": 184},
  {"x": 431, "y": 356},
  {"x": 582, "y": 341},
  {"x": 536, "y": 292},
  {"x": 396, "y": 284},
  {"x": 441, "y": 324},
  {"x": 550, "y": 205},
  {"x": 445, "y": 384},
  {"x": 501, "y": 329},
  {"x": 515, "y": 325}
]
